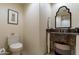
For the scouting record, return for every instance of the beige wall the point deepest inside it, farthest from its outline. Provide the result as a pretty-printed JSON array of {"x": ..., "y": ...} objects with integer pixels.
[
  {"x": 45, "y": 12},
  {"x": 31, "y": 29},
  {"x": 36, "y": 16},
  {"x": 6, "y": 29}
]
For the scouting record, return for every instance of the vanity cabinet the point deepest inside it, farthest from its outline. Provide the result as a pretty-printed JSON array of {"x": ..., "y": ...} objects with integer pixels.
[{"x": 66, "y": 40}]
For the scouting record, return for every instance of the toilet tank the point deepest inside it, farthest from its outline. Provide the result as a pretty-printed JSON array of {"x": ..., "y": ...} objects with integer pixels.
[{"x": 13, "y": 39}]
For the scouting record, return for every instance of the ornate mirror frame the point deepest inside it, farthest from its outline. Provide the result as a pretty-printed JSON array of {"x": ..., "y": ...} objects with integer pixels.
[{"x": 57, "y": 14}]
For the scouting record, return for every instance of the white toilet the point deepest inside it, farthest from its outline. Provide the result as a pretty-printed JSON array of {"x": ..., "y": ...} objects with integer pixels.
[{"x": 14, "y": 44}]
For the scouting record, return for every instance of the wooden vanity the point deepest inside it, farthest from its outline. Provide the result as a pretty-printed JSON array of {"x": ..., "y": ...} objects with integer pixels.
[{"x": 66, "y": 39}]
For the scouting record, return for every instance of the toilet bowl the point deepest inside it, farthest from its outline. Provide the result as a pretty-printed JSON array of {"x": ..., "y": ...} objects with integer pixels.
[
  {"x": 16, "y": 48},
  {"x": 14, "y": 45}
]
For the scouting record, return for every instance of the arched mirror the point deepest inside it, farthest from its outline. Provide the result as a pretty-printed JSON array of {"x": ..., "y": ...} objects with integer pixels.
[{"x": 63, "y": 18}]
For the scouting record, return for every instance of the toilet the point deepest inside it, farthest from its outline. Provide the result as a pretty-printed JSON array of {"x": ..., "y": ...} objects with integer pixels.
[{"x": 15, "y": 46}]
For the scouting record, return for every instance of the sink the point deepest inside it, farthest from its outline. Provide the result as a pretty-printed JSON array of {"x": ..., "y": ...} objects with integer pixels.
[
  {"x": 61, "y": 30},
  {"x": 65, "y": 30}
]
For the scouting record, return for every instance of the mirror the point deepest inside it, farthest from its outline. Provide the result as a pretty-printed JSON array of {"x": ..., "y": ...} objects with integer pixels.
[{"x": 63, "y": 18}]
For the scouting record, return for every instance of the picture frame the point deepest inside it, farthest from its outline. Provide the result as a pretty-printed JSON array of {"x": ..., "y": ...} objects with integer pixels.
[{"x": 12, "y": 17}]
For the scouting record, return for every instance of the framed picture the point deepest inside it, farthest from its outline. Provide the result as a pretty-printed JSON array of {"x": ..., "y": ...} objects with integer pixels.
[{"x": 12, "y": 17}]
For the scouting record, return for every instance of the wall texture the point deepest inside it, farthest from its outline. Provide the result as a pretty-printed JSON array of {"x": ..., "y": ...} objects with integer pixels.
[
  {"x": 45, "y": 13},
  {"x": 31, "y": 29},
  {"x": 36, "y": 16},
  {"x": 7, "y": 29}
]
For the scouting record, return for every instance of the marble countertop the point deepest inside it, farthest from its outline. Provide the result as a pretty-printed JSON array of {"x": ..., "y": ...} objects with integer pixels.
[{"x": 65, "y": 33}]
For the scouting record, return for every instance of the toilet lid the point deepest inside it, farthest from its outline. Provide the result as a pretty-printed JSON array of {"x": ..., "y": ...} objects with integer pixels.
[{"x": 16, "y": 45}]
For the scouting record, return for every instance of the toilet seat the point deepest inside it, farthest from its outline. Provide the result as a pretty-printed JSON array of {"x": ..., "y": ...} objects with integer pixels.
[{"x": 16, "y": 45}]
